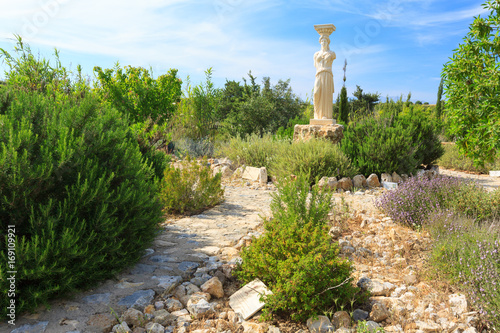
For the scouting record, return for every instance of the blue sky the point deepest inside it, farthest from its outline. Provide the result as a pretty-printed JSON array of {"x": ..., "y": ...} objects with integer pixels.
[{"x": 392, "y": 47}]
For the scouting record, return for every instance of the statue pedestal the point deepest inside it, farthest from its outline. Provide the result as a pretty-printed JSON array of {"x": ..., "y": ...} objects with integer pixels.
[
  {"x": 331, "y": 132},
  {"x": 322, "y": 121}
]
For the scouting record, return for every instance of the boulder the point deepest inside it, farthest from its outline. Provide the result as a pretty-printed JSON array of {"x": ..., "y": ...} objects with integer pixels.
[
  {"x": 345, "y": 183},
  {"x": 213, "y": 287},
  {"x": 328, "y": 182},
  {"x": 320, "y": 325},
  {"x": 341, "y": 319},
  {"x": 359, "y": 181},
  {"x": 379, "y": 312},
  {"x": 396, "y": 178},
  {"x": 385, "y": 177},
  {"x": 373, "y": 181}
]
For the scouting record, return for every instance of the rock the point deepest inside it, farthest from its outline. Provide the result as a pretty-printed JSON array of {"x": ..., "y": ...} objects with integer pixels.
[
  {"x": 379, "y": 312},
  {"x": 229, "y": 252},
  {"x": 404, "y": 177},
  {"x": 333, "y": 133},
  {"x": 121, "y": 328},
  {"x": 372, "y": 326},
  {"x": 35, "y": 328},
  {"x": 273, "y": 329},
  {"x": 102, "y": 321},
  {"x": 200, "y": 308},
  {"x": 396, "y": 178},
  {"x": 222, "y": 278},
  {"x": 470, "y": 330},
  {"x": 168, "y": 283},
  {"x": 155, "y": 328},
  {"x": 385, "y": 177},
  {"x": 97, "y": 299},
  {"x": 164, "y": 318},
  {"x": 133, "y": 317},
  {"x": 328, "y": 182},
  {"x": 143, "y": 269},
  {"x": 138, "y": 300},
  {"x": 345, "y": 183},
  {"x": 173, "y": 305},
  {"x": 224, "y": 170},
  {"x": 320, "y": 325},
  {"x": 232, "y": 317},
  {"x": 376, "y": 288},
  {"x": 159, "y": 305},
  {"x": 359, "y": 181},
  {"x": 410, "y": 279},
  {"x": 335, "y": 232},
  {"x": 255, "y": 174},
  {"x": 359, "y": 314},
  {"x": 182, "y": 316},
  {"x": 341, "y": 319},
  {"x": 251, "y": 327},
  {"x": 188, "y": 267},
  {"x": 458, "y": 304},
  {"x": 428, "y": 326},
  {"x": 373, "y": 181},
  {"x": 213, "y": 287}
]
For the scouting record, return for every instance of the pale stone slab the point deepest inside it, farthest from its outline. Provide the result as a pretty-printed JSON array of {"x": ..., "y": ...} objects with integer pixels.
[
  {"x": 322, "y": 121},
  {"x": 255, "y": 174},
  {"x": 246, "y": 301},
  {"x": 389, "y": 185},
  {"x": 494, "y": 173}
]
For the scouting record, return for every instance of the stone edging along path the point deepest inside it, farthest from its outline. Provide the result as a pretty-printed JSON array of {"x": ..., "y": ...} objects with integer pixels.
[{"x": 193, "y": 249}]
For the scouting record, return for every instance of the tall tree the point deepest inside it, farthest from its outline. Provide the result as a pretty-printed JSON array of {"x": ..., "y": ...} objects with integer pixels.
[
  {"x": 472, "y": 87},
  {"x": 343, "y": 107},
  {"x": 439, "y": 107}
]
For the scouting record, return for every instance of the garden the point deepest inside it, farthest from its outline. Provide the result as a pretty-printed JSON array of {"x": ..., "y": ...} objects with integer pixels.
[{"x": 89, "y": 169}]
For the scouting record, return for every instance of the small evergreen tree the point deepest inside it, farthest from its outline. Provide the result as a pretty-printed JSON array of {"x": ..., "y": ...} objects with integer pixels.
[
  {"x": 343, "y": 107},
  {"x": 439, "y": 109}
]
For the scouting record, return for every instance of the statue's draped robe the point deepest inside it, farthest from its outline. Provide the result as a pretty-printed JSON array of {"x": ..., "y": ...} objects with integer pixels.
[{"x": 323, "y": 85}]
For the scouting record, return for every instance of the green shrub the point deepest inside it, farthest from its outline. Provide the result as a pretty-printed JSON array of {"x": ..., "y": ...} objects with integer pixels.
[
  {"x": 453, "y": 159},
  {"x": 135, "y": 92},
  {"x": 296, "y": 258},
  {"x": 190, "y": 188},
  {"x": 317, "y": 158},
  {"x": 153, "y": 142},
  {"x": 253, "y": 150},
  {"x": 391, "y": 143},
  {"x": 74, "y": 185}
]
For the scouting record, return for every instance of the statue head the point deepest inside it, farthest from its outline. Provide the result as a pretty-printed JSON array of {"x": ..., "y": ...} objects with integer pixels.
[{"x": 324, "y": 41}]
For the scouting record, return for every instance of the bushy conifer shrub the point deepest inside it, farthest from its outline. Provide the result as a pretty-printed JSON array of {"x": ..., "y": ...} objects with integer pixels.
[
  {"x": 74, "y": 185},
  {"x": 297, "y": 259}
]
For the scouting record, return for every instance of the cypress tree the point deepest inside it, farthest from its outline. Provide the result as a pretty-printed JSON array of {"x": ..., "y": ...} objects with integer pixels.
[
  {"x": 439, "y": 106},
  {"x": 343, "y": 108}
]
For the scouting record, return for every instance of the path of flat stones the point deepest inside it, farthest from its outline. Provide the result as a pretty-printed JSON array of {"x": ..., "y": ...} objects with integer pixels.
[{"x": 183, "y": 246}]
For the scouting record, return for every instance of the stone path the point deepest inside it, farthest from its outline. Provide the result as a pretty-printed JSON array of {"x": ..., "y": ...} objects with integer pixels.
[
  {"x": 183, "y": 246},
  {"x": 490, "y": 183}
]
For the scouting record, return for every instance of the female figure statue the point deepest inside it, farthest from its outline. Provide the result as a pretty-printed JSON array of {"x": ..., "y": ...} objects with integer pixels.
[{"x": 323, "y": 85}]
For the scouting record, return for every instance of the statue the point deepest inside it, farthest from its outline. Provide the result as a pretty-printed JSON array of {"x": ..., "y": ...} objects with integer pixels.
[{"x": 323, "y": 84}]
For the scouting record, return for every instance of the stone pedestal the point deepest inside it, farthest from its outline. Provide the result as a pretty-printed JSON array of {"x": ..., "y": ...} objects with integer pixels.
[
  {"x": 334, "y": 133},
  {"x": 322, "y": 121}
]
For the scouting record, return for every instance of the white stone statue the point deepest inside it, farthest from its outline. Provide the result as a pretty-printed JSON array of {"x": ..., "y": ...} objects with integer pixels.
[{"x": 323, "y": 85}]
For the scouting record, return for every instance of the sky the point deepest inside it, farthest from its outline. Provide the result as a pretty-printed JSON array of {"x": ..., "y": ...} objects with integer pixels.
[{"x": 392, "y": 47}]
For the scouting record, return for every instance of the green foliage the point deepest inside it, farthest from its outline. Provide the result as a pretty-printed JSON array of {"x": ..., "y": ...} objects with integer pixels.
[
  {"x": 287, "y": 133},
  {"x": 253, "y": 150},
  {"x": 472, "y": 87},
  {"x": 371, "y": 142},
  {"x": 466, "y": 254},
  {"x": 190, "y": 188},
  {"x": 317, "y": 158},
  {"x": 439, "y": 102},
  {"x": 78, "y": 192},
  {"x": 203, "y": 147},
  {"x": 453, "y": 159},
  {"x": 153, "y": 140},
  {"x": 260, "y": 109},
  {"x": 134, "y": 91},
  {"x": 296, "y": 258},
  {"x": 343, "y": 106},
  {"x": 363, "y": 328},
  {"x": 364, "y": 103},
  {"x": 29, "y": 73}
]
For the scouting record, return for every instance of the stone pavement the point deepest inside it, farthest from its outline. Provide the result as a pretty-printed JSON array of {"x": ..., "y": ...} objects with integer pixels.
[{"x": 186, "y": 244}]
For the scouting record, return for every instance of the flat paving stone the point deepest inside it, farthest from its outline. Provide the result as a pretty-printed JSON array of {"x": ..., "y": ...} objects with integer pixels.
[
  {"x": 138, "y": 300},
  {"x": 35, "y": 328},
  {"x": 143, "y": 269},
  {"x": 97, "y": 299},
  {"x": 188, "y": 266},
  {"x": 162, "y": 258}
]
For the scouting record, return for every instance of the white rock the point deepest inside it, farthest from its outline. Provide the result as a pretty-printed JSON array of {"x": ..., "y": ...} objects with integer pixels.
[
  {"x": 320, "y": 325},
  {"x": 458, "y": 304},
  {"x": 200, "y": 308},
  {"x": 255, "y": 174}
]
